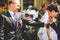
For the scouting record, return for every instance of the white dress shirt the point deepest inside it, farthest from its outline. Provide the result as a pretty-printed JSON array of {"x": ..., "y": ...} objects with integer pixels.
[{"x": 11, "y": 13}]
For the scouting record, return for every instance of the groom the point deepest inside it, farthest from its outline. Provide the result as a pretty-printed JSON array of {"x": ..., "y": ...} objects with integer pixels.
[{"x": 54, "y": 14}]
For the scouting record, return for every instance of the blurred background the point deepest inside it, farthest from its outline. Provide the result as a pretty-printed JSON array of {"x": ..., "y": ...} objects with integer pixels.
[{"x": 23, "y": 4}]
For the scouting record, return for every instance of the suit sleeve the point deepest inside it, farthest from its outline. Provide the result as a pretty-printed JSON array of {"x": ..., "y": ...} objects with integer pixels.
[
  {"x": 58, "y": 18},
  {"x": 1, "y": 21},
  {"x": 38, "y": 24}
]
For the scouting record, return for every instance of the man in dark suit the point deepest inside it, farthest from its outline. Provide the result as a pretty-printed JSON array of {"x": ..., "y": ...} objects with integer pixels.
[
  {"x": 55, "y": 14},
  {"x": 57, "y": 27},
  {"x": 11, "y": 27}
]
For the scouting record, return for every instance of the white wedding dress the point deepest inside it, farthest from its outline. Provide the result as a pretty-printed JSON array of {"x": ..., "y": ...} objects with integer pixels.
[{"x": 42, "y": 34}]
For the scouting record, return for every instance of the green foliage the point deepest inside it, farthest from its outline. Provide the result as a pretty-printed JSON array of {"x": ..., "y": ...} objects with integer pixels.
[{"x": 2, "y": 11}]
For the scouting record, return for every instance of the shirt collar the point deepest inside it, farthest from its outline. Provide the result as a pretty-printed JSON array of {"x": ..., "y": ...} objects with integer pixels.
[{"x": 11, "y": 13}]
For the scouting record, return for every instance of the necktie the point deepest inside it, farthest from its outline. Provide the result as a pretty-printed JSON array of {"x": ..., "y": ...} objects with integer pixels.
[{"x": 15, "y": 19}]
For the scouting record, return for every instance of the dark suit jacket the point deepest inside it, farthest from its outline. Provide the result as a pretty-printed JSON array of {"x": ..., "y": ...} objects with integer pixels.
[
  {"x": 58, "y": 23},
  {"x": 8, "y": 27},
  {"x": 1, "y": 18},
  {"x": 10, "y": 31}
]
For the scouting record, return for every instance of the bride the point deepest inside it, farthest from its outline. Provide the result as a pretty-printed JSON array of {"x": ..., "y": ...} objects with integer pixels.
[{"x": 47, "y": 33}]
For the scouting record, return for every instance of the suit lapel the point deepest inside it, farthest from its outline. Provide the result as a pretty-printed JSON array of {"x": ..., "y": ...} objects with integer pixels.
[
  {"x": 7, "y": 14},
  {"x": 17, "y": 18}
]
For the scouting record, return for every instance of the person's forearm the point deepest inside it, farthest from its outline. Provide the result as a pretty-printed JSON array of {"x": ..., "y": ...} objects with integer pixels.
[{"x": 39, "y": 24}]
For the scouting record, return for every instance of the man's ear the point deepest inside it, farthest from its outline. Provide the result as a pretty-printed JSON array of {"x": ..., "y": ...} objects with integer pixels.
[{"x": 54, "y": 13}]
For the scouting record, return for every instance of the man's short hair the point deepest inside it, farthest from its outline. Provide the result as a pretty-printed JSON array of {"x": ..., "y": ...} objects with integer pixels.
[
  {"x": 52, "y": 7},
  {"x": 10, "y": 2}
]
